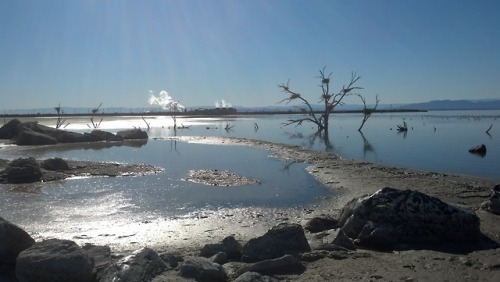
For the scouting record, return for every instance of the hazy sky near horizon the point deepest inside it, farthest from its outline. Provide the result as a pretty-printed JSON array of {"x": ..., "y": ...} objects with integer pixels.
[{"x": 82, "y": 53}]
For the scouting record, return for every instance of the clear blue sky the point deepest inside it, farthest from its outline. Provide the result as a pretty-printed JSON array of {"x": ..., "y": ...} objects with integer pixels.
[{"x": 82, "y": 53}]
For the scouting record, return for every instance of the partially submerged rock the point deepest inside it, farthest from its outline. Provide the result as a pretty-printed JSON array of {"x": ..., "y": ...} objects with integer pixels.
[
  {"x": 22, "y": 170},
  {"x": 132, "y": 134},
  {"x": 391, "y": 217},
  {"x": 479, "y": 150}
]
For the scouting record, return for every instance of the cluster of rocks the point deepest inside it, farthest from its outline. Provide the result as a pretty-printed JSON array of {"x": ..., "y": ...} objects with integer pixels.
[
  {"x": 383, "y": 220},
  {"x": 33, "y": 133}
]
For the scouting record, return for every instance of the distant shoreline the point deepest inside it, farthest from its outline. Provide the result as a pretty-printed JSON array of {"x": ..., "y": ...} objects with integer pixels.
[{"x": 201, "y": 113}]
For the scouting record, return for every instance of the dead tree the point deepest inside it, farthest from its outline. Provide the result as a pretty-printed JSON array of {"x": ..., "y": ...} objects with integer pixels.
[
  {"x": 367, "y": 112},
  {"x": 94, "y": 112},
  {"x": 60, "y": 119},
  {"x": 328, "y": 98}
]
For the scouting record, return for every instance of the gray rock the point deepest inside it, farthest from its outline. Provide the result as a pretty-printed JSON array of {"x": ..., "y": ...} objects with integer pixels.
[
  {"x": 8, "y": 130},
  {"x": 285, "y": 238},
  {"x": 101, "y": 255},
  {"x": 28, "y": 137},
  {"x": 391, "y": 217},
  {"x": 171, "y": 259},
  {"x": 320, "y": 223},
  {"x": 219, "y": 258},
  {"x": 73, "y": 137},
  {"x": 286, "y": 264},
  {"x": 13, "y": 240},
  {"x": 55, "y": 164},
  {"x": 479, "y": 150},
  {"x": 339, "y": 238},
  {"x": 229, "y": 245},
  {"x": 202, "y": 269},
  {"x": 108, "y": 136},
  {"x": 22, "y": 170},
  {"x": 493, "y": 203},
  {"x": 142, "y": 265},
  {"x": 254, "y": 277},
  {"x": 54, "y": 260},
  {"x": 132, "y": 134}
]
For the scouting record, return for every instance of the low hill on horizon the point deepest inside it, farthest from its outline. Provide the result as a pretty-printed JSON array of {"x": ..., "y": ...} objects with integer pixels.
[{"x": 435, "y": 105}]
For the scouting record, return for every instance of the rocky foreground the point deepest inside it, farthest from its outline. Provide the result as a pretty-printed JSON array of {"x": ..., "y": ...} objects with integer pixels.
[{"x": 428, "y": 227}]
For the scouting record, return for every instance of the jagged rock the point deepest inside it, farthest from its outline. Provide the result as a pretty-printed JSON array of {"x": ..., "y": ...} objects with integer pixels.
[
  {"x": 28, "y": 137},
  {"x": 132, "y": 134},
  {"x": 254, "y": 277},
  {"x": 13, "y": 240},
  {"x": 22, "y": 170},
  {"x": 142, "y": 265},
  {"x": 108, "y": 136},
  {"x": 493, "y": 203},
  {"x": 55, "y": 164},
  {"x": 229, "y": 245},
  {"x": 286, "y": 264},
  {"x": 202, "y": 269},
  {"x": 479, "y": 150},
  {"x": 8, "y": 130},
  {"x": 390, "y": 217},
  {"x": 101, "y": 255},
  {"x": 54, "y": 260},
  {"x": 339, "y": 238},
  {"x": 220, "y": 258},
  {"x": 285, "y": 238},
  {"x": 318, "y": 224}
]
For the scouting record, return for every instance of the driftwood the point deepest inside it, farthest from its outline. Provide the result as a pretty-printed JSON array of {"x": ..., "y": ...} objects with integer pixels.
[
  {"x": 403, "y": 128},
  {"x": 489, "y": 128}
]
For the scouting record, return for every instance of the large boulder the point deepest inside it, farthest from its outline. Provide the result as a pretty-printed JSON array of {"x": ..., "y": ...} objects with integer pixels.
[
  {"x": 8, "y": 130},
  {"x": 29, "y": 137},
  {"x": 391, "y": 217},
  {"x": 55, "y": 164},
  {"x": 22, "y": 170},
  {"x": 108, "y": 136},
  {"x": 73, "y": 137},
  {"x": 229, "y": 246},
  {"x": 101, "y": 255},
  {"x": 320, "y": 223},
  {"x": 54, "y": 260},
  {"x": 13, "y": 240},
  {"x": 202, "y": 269},
  {"x": 142, "y": 265},
  {"x": 131, "y": 134},
  {"x": 286, "y": 264},
  {"x": 285, "y": 238}
]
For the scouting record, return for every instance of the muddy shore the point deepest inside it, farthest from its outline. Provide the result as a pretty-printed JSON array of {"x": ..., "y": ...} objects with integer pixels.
[{"x": 349, "y": 179}]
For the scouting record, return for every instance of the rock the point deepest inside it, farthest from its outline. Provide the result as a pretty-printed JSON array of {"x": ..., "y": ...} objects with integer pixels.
[
  {"x": 390, "y": 217},
  {"x": 101, "y": 255},
  {"x": 73, "y": 137},
  {"x": 202, "y": 269},
  {"x": 285, "y": 238},
  {"x": 229, "y": 245},
  {"x": 254, "y": 277},
  {"x": 142, "y": 265},
  {"x": 318, "y": 224},
  {"x": 219, "y": 258},
  {"x": 172, "y": 259},
  {"x": 493, "y": 203},
  {"x": 339, "y": 238},
  {"x": 28, "y": 137},
  {"x": 54, "y": 260},
  {"x": 108, "y": 136},
  {"x": 132, "y": 134},
  {"x": 287, "y": 264},
  {"x": 8, "y": 130},
  {"x": 22, "y": 170},
  {"x": 479, "y": 150},
  {"x": 13, "y": 240},
  {"x": 55, "y": 164}
]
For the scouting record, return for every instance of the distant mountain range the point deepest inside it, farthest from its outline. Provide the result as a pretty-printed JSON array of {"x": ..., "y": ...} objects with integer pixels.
[{"x": 436, "y": 105}]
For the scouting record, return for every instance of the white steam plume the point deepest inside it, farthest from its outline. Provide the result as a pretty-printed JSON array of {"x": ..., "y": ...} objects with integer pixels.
[{"x": 165, "y": 101}]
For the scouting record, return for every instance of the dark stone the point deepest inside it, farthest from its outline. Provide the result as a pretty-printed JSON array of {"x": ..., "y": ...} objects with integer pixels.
[
  {"x": 318, "y": 224},
  {"x": 172, "y": 259},
  {"x": 202, "y": 269},
  {"x": 54, "y": 260},
  {"x": 478, "y": 150},
  {"x": 285, "y": 238},
  {"x": 13, "y": 240},
  {"x": 254, "y": 277},
  {"x": 132, "y": 134},
  {"x": 101, "y": 255},
  {"x": 229, "y": 245},
  {"x": 55, "y": 164},
  {"x": 22, "y": 170},
  {"x": 108, "y": 136},
  {"x": 287, "y": 264},
  {"x": 73, "y": 137},
  {"x": 339, "y": 238},
  {"x": 391, "y": 217},
  {"x": 28, "y": 137},
  {"x": 220, "y": 258},
  {"x": 8, "y": 130},
  {"x": 142, "y": 265}
]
